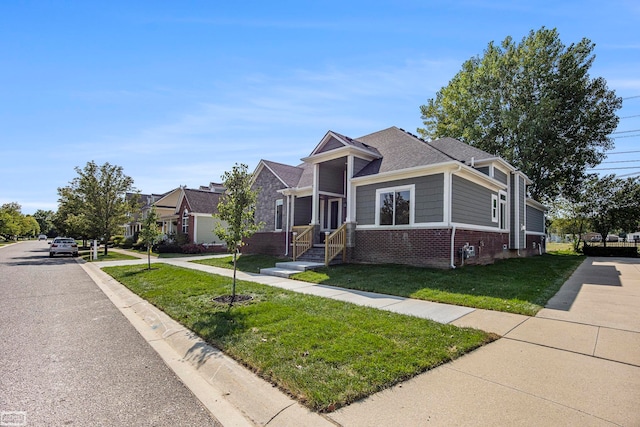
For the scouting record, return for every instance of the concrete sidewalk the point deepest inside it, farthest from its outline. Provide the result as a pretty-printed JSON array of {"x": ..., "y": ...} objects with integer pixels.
[{"x": 576, "y": 363}]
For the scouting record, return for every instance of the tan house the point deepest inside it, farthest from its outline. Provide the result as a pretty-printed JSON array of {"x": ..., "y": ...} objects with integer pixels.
[{"x": 190, "y": 212}]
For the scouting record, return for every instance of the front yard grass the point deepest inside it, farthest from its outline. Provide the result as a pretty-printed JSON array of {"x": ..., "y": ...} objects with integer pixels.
[
  {"x": 516, "y": 285},
  {"x": 323, "y": 352},
  {"x": 111, "y": 256}
]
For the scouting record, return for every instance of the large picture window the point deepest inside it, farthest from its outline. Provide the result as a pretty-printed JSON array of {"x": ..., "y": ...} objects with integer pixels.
[
  {"x": 394, "y": 206},
  {"x": 279, "y": 214}
]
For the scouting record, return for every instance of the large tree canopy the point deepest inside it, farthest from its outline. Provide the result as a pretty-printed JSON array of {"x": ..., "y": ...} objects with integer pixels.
[
  {"x": 14, "y": 224},
  {"x": 97, "y": 201},
  {"x": 612, "y": 204},
  {"x": 533, "y": 104}
]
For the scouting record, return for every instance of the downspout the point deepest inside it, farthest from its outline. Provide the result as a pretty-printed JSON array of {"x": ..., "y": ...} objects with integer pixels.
[
  {"x": 286, "y": 234},
  {"x": 453, "y": 227},
  {"x": 453, "y": 249}
]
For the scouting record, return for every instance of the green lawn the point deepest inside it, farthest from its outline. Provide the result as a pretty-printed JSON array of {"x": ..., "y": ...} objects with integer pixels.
[
  {"x": 246, "y": 263},
  {"x": 111, "y": 256},
  {"x": 517, "y": 285},
  {"x": 325, "y": 353}
]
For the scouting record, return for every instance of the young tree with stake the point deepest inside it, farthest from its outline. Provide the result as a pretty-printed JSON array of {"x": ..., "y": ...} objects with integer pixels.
[{"x": 236, "y": 213}]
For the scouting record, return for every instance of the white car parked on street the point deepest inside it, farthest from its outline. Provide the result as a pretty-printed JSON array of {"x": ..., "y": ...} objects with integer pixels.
[{"x": 63, "y": 245}]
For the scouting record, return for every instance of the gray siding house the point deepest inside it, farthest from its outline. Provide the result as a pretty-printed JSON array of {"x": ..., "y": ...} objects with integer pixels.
[{"x": 399, "y": 199}]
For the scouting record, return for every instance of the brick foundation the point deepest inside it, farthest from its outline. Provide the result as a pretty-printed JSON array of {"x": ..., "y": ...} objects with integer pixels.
[
  {"x": 488, "y": 246},
  {"x": 426, "y": 247},
  {"x": 267, "y": 243},
  {"x": 418, "y": 247},
  {"x": 532, "y": 249}
]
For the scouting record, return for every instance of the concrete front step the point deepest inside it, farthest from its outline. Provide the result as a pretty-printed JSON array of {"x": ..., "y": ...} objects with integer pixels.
[
  {"x": 286, "y": 269},
  {"x": 300, "y": 265}
]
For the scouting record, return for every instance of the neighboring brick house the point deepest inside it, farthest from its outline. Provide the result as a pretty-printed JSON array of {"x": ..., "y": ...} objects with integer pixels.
[
  {"x": 190, "y": 212},
  {"x": 402, "y": 200}
]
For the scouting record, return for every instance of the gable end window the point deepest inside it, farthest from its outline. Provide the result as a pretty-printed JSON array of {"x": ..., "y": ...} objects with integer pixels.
[
  {"x": 279, "y": 214},
  {"x": 394, "y": 206}
]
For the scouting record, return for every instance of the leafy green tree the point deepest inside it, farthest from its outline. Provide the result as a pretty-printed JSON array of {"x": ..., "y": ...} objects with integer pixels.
[
  {"x": 29, "y": 226},
  {"x": 236, "y": 211},
  {"x": 99, "y": 195},
  {"x": 70, "y": 220},
  {"x": 150, "y": 233},
  {"x": 45, "y": 221},
  {"x": 533, "y": 104},
  {"x": 611, "y": 204},
  {"x": 11, "y": 223},
  {"x": 568, "y": 217}
]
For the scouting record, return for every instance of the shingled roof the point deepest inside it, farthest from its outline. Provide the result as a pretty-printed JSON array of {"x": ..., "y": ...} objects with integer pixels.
[
  {"x": 201, "y": 201},
  {"x": 290, "y": 175},
  {"x": 459, "y": 150},
  {"x": 399, "y": 150},
  {"x": 396, "y": 149}
]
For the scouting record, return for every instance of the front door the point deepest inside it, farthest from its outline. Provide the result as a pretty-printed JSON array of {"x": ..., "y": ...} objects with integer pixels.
[{"x": 330, "y": 214}]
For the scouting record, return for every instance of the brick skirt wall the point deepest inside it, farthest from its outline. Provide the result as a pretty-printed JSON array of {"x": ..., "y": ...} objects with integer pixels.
[
  {"x": 426, "y": 247},
  {"x": 533, "y": 245},
  {"x": 488, "y": 246},
  {"x": 267, "y": 243},
  {"x": 418, "y": 247}
]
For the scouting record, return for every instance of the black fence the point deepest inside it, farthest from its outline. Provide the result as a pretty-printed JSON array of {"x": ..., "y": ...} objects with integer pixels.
[{"x": 617, "y": 249}]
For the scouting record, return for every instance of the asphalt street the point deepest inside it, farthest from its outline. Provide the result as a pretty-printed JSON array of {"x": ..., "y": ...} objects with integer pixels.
[{"x": 69, "y": 357}]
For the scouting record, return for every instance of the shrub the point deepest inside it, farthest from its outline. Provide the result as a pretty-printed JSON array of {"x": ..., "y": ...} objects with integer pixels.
[
  {"x": 168, "y": 248},
  {"x": 128, "y": 243},
  {"x": 117, "y": 240},
  {"x": 139, "y": 245}
]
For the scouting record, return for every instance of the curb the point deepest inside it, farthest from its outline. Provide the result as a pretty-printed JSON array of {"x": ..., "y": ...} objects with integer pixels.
[{"x": 234, "y": 395}]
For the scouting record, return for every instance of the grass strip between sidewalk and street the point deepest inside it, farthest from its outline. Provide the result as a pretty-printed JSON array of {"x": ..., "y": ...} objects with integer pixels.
[
  {"x": 325, "y": 353},
  {"x": 515, "y": 285}
]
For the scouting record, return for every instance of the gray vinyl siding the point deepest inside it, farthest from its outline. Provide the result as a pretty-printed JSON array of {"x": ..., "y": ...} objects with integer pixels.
[
  {"x": 499, "y": 175},
  {"x": 331, "y": 180},
  {"x": 517, "y": 211},
  {"x": 535, "y": 220},
  {"x": 332, "y": 144},
  {"x": 359, "y": 164},
  {"x": 523, "y": 212},
  {"x": 484, "y": 170},
  {"x": 512, "y": 211},
  {"x": 302, "y": 211},
  {"x": 470, "y": 203},
  {"x": 428, "y": 203}
]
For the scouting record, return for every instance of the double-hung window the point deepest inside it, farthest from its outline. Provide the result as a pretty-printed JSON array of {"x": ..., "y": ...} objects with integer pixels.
[
  {"x": 394, "y": 206},
  {"x": 279, "y": 215},
  {"x": 494, "y": 208},
  {"x": 499, "y": 209}
]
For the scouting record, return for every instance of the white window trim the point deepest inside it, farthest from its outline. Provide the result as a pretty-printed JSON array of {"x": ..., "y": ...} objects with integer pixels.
[
  {"x": 495, "y": 208},
  {"x": 185, "y": 224},
  {"x": 503, "y": 203},
  {"x": 279, "y": 202},
  {"x": 412, "y": 203}
]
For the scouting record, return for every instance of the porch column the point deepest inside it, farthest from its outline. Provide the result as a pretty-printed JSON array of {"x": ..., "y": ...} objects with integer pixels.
[
  {"x": 315, "y": 198},
  {"x": 350, "y": 203}
]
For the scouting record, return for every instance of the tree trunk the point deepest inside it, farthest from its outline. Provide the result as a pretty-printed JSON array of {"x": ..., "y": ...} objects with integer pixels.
[{"x": 233, "y": 287}]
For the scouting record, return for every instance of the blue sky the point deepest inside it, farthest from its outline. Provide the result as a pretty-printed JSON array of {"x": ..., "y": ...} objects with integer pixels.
[{"x": 176, "y": 92}]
